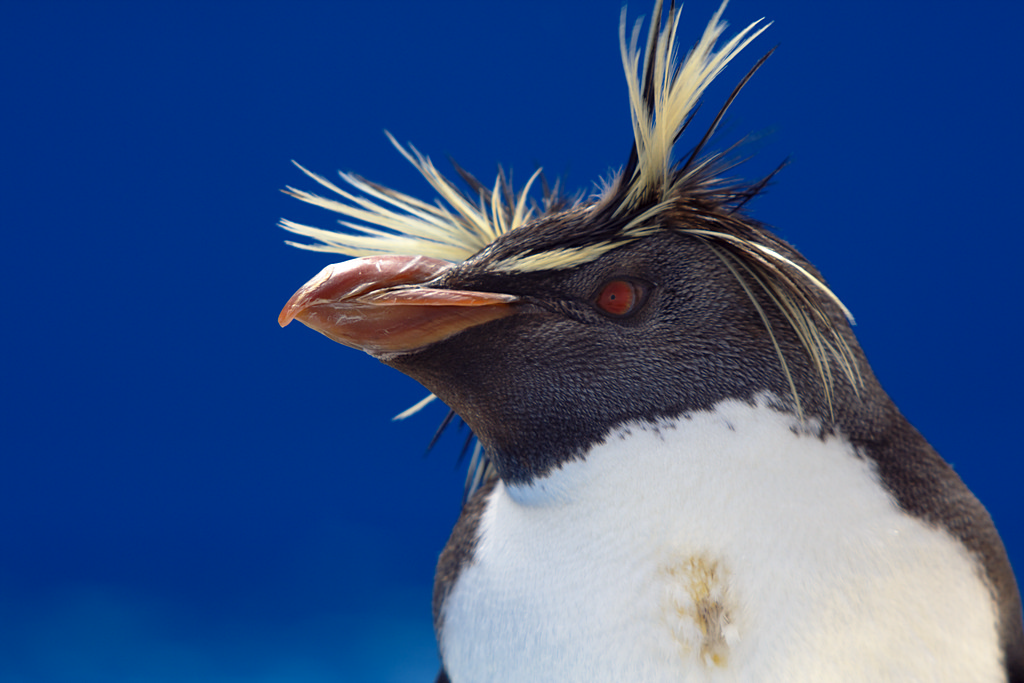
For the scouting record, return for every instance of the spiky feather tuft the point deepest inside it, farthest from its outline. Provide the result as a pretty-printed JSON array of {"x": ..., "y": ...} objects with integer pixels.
[
  {"x": 395, "y": 223},
  {"x": 662, "y": 102}
]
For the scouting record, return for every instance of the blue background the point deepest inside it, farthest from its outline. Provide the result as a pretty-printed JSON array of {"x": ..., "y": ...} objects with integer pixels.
[{"x": 189, "y": 492}]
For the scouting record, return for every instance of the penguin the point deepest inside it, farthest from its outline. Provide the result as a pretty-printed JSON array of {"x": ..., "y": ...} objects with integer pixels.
[{"x": 685, "y": 468}]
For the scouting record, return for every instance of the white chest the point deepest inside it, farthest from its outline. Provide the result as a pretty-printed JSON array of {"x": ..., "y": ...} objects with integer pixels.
[{"x": 724, "y": 547}]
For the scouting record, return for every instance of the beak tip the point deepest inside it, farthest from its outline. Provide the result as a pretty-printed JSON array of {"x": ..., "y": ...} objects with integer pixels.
[
  {"x": 290, "y": 310},
  {"x": 301, "y": 299}
]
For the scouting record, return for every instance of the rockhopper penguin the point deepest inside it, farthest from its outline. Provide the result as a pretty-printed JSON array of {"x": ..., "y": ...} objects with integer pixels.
[{"x": 687, "y": 470}]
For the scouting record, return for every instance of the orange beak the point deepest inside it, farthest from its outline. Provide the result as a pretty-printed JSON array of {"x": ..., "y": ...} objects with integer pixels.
[{"x": 376, "y": 304}]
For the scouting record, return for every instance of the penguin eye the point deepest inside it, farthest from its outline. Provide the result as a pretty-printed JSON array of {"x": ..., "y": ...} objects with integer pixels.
[{"x": 620, "y": 298}]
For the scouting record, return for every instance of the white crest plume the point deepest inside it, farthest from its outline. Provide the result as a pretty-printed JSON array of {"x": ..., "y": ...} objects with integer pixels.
[
  {"x": 662, "y": 96},
  {"x": 661, "y": 105},
  {"x": 395, "y": 223}
]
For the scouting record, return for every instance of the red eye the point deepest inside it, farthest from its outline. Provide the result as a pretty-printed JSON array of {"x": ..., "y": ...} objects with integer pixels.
[{"x": 619, "y": 297}]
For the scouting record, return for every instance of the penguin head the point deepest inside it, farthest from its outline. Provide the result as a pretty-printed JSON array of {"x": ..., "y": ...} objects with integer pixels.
[{"x": 545, "y": 325}]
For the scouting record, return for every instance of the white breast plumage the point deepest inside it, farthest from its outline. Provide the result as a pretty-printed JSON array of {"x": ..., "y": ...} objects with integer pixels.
[{"x": 730, "y": 545}]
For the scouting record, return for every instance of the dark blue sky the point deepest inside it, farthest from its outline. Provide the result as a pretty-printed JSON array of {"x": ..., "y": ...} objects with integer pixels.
[{"x": 191, "y": 493}]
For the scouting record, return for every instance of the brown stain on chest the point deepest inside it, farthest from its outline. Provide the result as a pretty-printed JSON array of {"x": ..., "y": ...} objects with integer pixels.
[{"x": 696, "y": 608}]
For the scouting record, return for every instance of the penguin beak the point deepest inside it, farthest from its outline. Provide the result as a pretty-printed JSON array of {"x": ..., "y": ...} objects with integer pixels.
[{"x": 378, "y": 304}]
